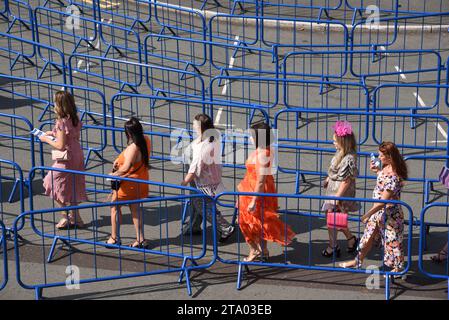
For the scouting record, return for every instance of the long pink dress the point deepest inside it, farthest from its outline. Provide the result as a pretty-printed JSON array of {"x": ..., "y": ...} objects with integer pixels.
[{"x": 62, "y": 186}]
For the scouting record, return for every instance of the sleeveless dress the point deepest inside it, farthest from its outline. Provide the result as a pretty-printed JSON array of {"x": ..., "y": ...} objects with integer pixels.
[
  {"x": 133, "y": 190},
  {"x": 62, "y": 186},
  {"x": 264, "y": 222}
]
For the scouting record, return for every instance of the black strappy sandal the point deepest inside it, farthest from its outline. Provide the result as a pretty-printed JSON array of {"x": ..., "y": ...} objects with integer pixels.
[
  {"x": 110, "y": 245},
  {"x": 144, "y": 244},
  {"x": 328, "y": 254},
  {"x": 354, "y": 246}
]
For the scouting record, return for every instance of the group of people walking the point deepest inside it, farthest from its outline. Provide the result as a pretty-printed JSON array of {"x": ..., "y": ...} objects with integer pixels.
[{"x": 259, "y": 221}]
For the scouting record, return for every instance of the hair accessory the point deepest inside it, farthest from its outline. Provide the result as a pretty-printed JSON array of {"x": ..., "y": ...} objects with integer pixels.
[{"x": 342, "y": 128}]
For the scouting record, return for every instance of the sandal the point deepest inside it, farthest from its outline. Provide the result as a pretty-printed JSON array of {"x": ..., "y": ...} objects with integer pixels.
[
  {"x": 254, "y": 257},
  {"x": 144, "y": 244},
  {"x": 348, "y": 264},
  {"x": 109, "y": 245},
  {"x": 354, "y": 246},
  {"x": 327, "y": 254},
  {"x": 440, "y": 257},
  {"x": 63, "y": 224}
]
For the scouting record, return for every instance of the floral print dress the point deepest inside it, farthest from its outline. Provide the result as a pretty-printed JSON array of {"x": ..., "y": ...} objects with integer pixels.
[{"x": 388, "y": 222}]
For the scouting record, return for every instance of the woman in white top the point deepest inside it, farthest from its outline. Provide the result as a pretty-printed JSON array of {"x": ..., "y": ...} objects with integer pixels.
[{"x": 205, "y": 171}]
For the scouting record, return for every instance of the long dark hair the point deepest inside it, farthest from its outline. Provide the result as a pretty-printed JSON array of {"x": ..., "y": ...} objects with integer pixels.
[
  {"x": 207, "y": 125},
  {"x": 397, "y": 161},
  {"x": 65, "y": 107},
  {"x": 261, "y": 133},
  {"x": 134, "y": 133}
]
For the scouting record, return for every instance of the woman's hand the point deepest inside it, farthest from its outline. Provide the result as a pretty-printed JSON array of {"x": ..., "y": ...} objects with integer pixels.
[
  {"x": 252, "y": 205},
  {"x": 49, "y": 133},
  {"x": 184, "y": 183},
  {"x": 373, "y": 167},
  {"x": 326, "y": 183},
  {"x": 43, "y": 138}
]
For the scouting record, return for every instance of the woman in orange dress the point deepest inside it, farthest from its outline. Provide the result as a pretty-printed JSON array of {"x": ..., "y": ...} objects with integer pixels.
[
  {"x": 258, "y": 217},
  {"x": 133, "y": 162}
]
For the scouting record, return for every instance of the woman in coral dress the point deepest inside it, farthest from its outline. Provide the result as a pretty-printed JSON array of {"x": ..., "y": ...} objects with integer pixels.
[
  {"x": 65, "y": 188},
  {"x": 258, "y": 217},
  {"x": 133, "y": 163}
]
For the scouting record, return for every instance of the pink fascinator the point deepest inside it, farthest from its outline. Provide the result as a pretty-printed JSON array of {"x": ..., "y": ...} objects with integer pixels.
[{"x": 342, "y": 128}]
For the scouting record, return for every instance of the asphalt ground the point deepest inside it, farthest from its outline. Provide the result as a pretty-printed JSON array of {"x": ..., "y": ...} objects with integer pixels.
[{"x": 162, "y": 219}]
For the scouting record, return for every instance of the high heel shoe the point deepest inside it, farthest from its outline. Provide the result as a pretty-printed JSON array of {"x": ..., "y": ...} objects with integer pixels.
[
  {"x": 336, "y": 250},
  {"x": 254, "y": 257}
]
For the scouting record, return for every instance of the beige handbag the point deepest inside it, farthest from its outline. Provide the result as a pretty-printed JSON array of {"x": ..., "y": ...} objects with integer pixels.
[{"x": 57, "y": 155}]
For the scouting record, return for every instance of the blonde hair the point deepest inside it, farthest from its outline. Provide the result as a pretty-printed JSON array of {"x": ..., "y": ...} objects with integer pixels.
[
  {"x": 348, "y": 146},
  {"x": 65, "y": 107}
]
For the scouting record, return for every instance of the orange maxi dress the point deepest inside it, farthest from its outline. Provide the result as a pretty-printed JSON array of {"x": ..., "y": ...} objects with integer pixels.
[
  {"x": 264, "y": 221},
  {"x": 133, "y": 190}
]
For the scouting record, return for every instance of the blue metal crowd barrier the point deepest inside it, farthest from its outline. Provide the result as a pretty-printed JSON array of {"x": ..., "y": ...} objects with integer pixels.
[
  {"x": 37, "y": 95},
  {"x": 104, "y": 73},
  {"x": 130, "y": 14},
  {"x": 166, "y": 51},
  {"x": 422, "y": 243},
  {"x": 11, "y": 178},
  {"x": 17, "y": 49},
  {"x": 387, "y": 33},
  {"x": 18, "y": 12},
  {"x": 124, "y": 41},
  {"x": 169, "y": 255},
  {"x": 258, "y": 92},
  {"x": 170, "y": 18},
  {"x": 4, "y": 248},
  {"x": 378, "y": 7},
  {"x": 329, "y": 95},
  {"x": 408, "y": 97},
  {"x": 307, "y": 208},
  {"x": 377, "y": 125},
  {"x": 18, "y": 148}
]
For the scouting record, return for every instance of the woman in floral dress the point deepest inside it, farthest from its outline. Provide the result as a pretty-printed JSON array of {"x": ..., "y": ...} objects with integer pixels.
[{"x": 385, "y": 220}]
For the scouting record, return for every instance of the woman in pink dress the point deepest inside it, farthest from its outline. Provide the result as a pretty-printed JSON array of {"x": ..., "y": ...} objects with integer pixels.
[{"x": 65, "y": 188}]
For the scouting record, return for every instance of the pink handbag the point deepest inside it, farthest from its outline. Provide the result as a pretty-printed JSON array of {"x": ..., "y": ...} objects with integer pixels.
[{"x": 337, "y": 220}]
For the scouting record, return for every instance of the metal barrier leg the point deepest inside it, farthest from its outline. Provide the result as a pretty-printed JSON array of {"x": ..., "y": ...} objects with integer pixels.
[
  {"x": 387, "y": 287},
  {"x": 447, "y": 289},
  {"x": 13, "y": 191},
  {"x": 38, "y": 293},
  {"x": 189, "y": 287},
  {"x": 181, "y": 275},
  {"x": 53, "y": 247},
  {"x": 239, "y": 277}
]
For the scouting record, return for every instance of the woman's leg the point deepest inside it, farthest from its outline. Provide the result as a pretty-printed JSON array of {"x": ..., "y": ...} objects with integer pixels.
[
  {"x": 393, "y": 254},
  {"x": 365, "y": 244},
  {"x": 137, "y": 215},
  {"x": 115, "y": 210},
  {"x": 64, "y": 222}
]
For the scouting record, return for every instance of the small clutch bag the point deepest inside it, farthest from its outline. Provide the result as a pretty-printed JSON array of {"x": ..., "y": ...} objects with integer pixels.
[
  {"x": 57, "y": 155},
  {"x": 337, "y": 220}
]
